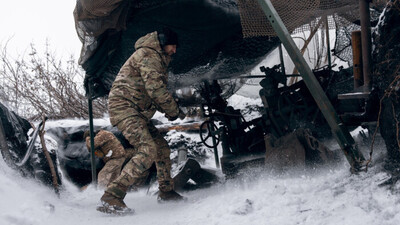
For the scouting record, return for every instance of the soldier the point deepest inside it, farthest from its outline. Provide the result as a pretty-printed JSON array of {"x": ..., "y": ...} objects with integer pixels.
[
  {"x": 140, "y": 89},
  {"x": 109, "y": 148}
]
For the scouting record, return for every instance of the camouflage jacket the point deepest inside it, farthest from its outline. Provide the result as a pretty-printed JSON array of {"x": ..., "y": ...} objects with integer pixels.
[
  {"x": 140, "y": 87},
  {"x": 104, "y": 142}
]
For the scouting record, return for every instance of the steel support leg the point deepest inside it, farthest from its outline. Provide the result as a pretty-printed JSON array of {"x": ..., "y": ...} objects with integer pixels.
[
  {"x": 212, "y": 131},
  {"x": 366, "y": 42},
  {"x": 342, "y": 135},
  {"x": 91, "y": 129}
]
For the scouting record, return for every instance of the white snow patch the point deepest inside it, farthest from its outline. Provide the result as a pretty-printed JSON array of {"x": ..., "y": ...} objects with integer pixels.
[{"x": 109, "y": 154}]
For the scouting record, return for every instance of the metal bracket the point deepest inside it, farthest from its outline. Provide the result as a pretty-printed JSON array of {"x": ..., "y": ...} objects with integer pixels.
[
  {"x": 31, "y": 144},
  {"x": 342, "y": 135}
]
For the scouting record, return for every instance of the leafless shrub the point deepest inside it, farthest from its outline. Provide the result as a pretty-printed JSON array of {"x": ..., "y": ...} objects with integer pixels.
[{"x": 42, "y": 84}]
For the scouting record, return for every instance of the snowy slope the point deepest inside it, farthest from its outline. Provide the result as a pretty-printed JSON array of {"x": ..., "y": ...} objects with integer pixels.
[{"x": 329, "y": 195}]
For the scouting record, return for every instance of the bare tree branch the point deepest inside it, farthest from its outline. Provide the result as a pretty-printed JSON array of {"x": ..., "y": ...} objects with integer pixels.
[{"x": 42, "y": 84}]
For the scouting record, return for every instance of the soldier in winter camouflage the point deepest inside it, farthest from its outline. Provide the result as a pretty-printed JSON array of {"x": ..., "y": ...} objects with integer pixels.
[{"x": 139, "y": 90}]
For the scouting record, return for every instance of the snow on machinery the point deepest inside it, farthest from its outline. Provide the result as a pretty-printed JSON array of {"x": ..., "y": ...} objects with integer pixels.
[
  {"x": 288, "y": 111},
  {"x": 281, "y": 104},
  {"x": 227, "y": 55}
]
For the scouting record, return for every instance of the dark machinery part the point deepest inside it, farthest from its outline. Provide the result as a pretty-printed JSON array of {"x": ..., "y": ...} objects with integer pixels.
[
  {"x": 31, "y": 145},
  {"x": 5, "y": 152},
  {"x": 191, "y": 169},
  {"x": 342, "y": 135},
  {"x": 240, "y": 138},
  {"x": 209, "y": 132},
  {"x": 286, "y": 108}
]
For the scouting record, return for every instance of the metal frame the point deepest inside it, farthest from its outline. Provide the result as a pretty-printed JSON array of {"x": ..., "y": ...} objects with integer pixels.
[{"x": 342, "y": 135}]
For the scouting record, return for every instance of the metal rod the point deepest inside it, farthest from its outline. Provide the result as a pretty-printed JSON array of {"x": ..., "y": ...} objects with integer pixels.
[
  {"x": 342, "y": 135},
  {"x": 357, "y": 59},
  {"x": 30, "y": 146},
  {"x": 91, "y": 129},
  {"x": 366, "y": 42},
  {"x": 255, "y": 76},
  {"x": 212, "y": 131}
]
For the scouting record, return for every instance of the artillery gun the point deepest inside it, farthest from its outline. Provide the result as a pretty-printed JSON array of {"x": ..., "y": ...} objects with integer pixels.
[{"x": 285, "y": 110}]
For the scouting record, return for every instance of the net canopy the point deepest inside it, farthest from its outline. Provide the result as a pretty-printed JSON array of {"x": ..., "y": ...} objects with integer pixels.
[
  {"x": 294, "y": 14},
  {"x": 306, "y": 15},
  {"x": 218, "y": 38}
]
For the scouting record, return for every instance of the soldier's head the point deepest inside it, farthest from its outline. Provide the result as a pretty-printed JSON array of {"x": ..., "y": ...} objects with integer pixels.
[
  {"x": 168, "y": 41},
  {"x": 87, "y": 133}
]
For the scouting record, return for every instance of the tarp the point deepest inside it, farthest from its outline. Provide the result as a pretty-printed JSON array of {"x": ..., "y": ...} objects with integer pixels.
[{"x": 210, "y": 37}]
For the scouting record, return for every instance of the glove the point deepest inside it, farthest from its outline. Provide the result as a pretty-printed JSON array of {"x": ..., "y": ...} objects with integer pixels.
[
  {"x": 181, "y": 114},
  {"x": 171, "y": 118}
]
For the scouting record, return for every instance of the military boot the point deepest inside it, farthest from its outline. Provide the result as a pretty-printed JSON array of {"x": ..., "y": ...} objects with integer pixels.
[
  {"x": 168, "y": 196},
  {"x": 113, "y": 205}
]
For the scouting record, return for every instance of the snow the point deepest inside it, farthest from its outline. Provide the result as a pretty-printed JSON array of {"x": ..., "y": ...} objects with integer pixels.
[
  {"x": 109, "y": 154},
  {"x": 326, "y": 196},
  {"x": 330, "y": 195}
]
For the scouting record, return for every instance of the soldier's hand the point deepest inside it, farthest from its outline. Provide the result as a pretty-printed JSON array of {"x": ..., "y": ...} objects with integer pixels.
[
  {"x": 181, "y": 114},
  {"x": 171, "y": 118}
]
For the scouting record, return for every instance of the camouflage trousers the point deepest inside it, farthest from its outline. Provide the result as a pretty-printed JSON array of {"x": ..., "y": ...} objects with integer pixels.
[
  {"x": 110, "y": 171},
  {"x": 151, "y": 147}
]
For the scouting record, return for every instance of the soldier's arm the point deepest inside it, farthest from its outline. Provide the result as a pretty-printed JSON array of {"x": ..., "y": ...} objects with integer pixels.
[
  {"x": 99, "y": 140},
  {"x": 156, "y": 85}
]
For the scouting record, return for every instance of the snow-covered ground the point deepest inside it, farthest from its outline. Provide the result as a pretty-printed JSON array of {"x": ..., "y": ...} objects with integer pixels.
[
  {"x": 326, "y": 196},
  {"x": 329, "y": 195}
]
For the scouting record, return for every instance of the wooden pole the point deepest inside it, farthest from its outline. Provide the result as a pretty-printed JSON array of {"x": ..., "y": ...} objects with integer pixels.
[{"x": 48, "y": 158}]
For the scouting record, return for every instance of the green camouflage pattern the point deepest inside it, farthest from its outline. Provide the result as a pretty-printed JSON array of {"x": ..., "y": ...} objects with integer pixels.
[
  {"x": 151, "y": 148},
  {"x": 110, "y": 171},
  {"x": 104, "y": 142},
  {"x": 140, "y": 87},
  {"x": 139, "y": 90}
]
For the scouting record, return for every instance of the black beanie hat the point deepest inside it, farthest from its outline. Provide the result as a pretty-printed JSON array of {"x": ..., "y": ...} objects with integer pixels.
[{"x": 167, "y": 37}]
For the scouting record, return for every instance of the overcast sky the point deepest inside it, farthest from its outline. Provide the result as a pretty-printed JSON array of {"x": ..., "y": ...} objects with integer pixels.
[{"x": 34, "y": 21}]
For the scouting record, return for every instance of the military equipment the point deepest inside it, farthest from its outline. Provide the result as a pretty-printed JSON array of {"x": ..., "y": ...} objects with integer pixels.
[
  {"x": 285, "y": 109},
  {"x": 31, "y": 144}
]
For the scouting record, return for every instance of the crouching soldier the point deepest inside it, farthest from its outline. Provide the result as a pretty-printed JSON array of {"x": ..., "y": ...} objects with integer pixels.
[
  {"x": 110, "y": 149},
  {"x": 139, "y": 90}
]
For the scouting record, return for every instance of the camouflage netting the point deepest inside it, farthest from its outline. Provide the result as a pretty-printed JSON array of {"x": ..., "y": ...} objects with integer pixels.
[
  {"x": 93, "y": 18},
  {"x": 211, "y": 34},
  {"x": 294, "y": 14},
  {"x": 300, "y": 16}
]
